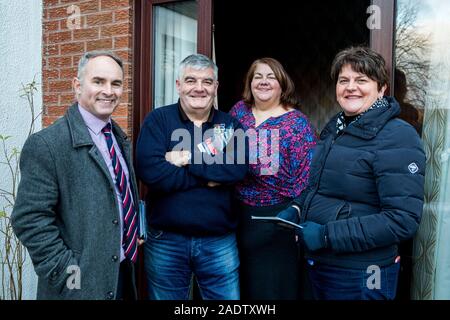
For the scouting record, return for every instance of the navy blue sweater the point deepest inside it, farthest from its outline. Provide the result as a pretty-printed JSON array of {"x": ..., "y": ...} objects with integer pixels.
[{"x": 178, "y": 198}]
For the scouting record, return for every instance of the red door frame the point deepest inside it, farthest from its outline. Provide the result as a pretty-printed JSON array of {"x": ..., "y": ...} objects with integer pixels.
[
  {"x": 143, "y": 55},
  {"x": 382, "y": 40}
]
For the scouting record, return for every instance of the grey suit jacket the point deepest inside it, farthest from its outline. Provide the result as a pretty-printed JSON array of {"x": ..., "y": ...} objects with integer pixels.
[{"x": 66, "y": 211}]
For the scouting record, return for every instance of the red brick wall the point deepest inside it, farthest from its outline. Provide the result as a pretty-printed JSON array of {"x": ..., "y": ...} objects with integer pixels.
[{"x": 69, "y": 29}]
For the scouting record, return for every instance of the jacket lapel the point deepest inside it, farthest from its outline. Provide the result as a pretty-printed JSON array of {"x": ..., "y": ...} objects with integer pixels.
[
  {"x": 78, "y": 130},
  {"x": 81, "y": 138}
]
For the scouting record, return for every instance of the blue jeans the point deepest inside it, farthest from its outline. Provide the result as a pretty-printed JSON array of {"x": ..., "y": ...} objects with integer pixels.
[
  {"x": 335, "y": 283},
  {"x": 171, "y": 259}
]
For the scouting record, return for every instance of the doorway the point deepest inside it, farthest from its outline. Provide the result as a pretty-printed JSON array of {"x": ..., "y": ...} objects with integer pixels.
[{"x": 303, "y": 35}]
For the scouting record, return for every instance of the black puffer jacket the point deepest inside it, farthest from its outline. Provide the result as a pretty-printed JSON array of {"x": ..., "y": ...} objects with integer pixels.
[{"x": 366, "y": 186}]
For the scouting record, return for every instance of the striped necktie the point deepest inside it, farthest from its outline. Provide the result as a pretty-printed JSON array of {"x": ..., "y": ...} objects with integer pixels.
[{"x": 130, "y": 231}]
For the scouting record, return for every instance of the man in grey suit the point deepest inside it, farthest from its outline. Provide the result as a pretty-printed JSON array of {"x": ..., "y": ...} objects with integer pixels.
[{"x": 77, "y": 204}]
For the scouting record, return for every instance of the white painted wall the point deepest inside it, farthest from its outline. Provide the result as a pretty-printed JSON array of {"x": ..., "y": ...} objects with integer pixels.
[{"x": 20, "y": 61}]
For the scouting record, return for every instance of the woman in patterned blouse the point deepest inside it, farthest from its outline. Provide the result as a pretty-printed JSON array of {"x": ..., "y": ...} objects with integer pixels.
[{"x": 281, "y": 143}]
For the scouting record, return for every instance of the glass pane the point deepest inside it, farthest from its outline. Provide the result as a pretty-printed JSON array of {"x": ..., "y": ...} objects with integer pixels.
[
  {"x": 422, "y": 87},
  {"x": 175, "y": 37}
]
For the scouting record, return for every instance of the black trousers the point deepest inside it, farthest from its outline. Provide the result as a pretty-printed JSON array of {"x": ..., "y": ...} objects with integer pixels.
[
  {"x": 269, "y": 256},
  {"x": 126, "y": 288}
]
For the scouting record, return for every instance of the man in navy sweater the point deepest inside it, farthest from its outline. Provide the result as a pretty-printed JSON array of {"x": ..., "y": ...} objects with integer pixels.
[{"x": 188, "y": 157}]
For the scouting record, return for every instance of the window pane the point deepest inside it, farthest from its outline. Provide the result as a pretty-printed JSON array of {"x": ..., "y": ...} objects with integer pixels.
[
  {"x": 423, "y": 89},
  {"x": 175, "y": 37}
]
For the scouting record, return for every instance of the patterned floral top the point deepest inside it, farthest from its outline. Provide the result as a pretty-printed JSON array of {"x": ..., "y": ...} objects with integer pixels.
[{"x": 280, "y": 156}]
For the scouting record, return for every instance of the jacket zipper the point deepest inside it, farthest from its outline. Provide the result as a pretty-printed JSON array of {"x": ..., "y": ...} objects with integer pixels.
[{"x": 308, "y": 200}]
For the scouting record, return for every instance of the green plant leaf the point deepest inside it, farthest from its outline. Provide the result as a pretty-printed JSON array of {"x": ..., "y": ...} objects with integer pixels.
[{"x": 4, "y": 138}]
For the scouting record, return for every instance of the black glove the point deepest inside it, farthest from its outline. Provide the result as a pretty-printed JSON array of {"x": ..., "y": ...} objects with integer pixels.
[
  {"x": 290, "y": 214},
  {"x": 313, "y": 235}
]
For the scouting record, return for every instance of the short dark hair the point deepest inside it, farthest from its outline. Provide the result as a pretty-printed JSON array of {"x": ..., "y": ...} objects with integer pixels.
[
  {"x": 363, "y": 60},
  {"x": 288, "y": 97}
]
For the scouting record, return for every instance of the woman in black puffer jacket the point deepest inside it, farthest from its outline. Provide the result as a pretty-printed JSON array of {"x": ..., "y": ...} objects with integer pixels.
[{"x": 365, "y": 192}]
